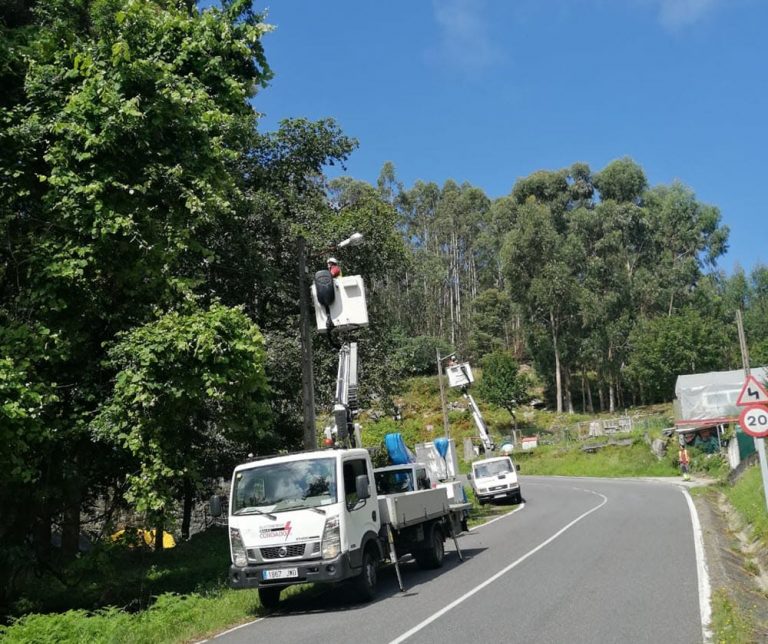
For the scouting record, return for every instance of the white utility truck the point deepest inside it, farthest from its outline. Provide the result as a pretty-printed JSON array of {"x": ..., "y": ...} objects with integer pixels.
[
  {"x": 317, "y": 517},
  {"x": 495, "y": 478}
]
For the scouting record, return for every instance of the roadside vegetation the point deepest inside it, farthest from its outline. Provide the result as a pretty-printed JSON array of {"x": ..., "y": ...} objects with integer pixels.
[{"x": 733, "y": 619}]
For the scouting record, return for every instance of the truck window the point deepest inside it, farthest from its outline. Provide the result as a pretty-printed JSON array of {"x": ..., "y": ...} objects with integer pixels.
[
  {"x": 422, "y": 479},
  {"x": 394, "y": 482},
  {"x": 352, "y": 469},
  {"x": 483, "y": 470}
]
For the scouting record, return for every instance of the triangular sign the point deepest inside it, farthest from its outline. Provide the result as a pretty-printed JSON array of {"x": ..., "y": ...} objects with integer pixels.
[{"x": 752, "y": 393}]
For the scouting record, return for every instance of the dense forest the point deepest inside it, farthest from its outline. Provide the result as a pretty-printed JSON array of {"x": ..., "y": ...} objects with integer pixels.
[{"x": 149, "y": 268}]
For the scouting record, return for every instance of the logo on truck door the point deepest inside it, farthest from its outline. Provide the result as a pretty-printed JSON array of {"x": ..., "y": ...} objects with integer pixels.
[{"x": 277, "y": 531}]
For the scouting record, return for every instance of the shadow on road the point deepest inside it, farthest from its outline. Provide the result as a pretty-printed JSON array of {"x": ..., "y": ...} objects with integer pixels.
[{"x": 342, "y": 597}]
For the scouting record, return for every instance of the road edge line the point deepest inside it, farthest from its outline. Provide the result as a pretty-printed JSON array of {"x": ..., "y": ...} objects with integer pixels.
[{"x": 702, "y": 571}]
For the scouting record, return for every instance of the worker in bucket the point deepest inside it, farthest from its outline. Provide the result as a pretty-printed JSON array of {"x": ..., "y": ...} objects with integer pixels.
[{"x": 333, "y": 267}]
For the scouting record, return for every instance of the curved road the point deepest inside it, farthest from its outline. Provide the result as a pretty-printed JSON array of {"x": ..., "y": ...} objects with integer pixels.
[{"x": 583, "y": 560}]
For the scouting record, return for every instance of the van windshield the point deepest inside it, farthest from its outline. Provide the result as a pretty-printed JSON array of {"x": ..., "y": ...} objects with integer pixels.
[
  {"x": 286, "y": 486},
  {"x": 484, "y": 470}
]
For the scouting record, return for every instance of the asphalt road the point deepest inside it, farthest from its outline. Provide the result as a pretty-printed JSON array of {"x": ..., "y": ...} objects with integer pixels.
[{"x": 584, "y": 560}]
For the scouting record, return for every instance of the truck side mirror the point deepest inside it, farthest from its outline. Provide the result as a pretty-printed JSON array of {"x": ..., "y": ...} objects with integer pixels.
[
  {"x": 469, "y": 477},
  {"x": 517, "y": 466},
  {"x": 361, "y": 487},
  {"x": 214, "y": 506}
]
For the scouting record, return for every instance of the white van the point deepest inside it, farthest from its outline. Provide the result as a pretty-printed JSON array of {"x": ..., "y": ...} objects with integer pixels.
[{"x": 495, "y": 478}]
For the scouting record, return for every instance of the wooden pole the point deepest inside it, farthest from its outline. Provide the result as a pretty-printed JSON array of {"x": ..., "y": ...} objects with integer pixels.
[
  {"x": 307, "y": 376},
  {"x": 442, "y": 393}
]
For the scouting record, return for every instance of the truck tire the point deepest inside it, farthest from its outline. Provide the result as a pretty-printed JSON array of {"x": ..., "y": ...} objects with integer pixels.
[
  {"x": 269, "y": 598},
  {"x": 433, "y": 554},
  {"x": 365, "y": 583}
]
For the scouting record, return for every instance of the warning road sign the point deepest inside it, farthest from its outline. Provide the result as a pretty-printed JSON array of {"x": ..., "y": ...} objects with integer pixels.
[
  {"x": 752, "y": 393},
  {"x": 754, "y": 421}
]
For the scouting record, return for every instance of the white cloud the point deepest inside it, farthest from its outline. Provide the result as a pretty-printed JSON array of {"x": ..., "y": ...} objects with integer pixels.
[
  {"x": 464, "y": 38},
  {"x": 679, "y": 13}
]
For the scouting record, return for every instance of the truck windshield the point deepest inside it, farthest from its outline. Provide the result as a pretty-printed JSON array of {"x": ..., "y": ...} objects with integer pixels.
[
  {"x": 483, "y": 470},
  {"x": 286, "y": 486}
]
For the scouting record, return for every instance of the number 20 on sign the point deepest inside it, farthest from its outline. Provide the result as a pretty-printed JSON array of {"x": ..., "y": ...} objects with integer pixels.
[{"x": 754, "y": 420}]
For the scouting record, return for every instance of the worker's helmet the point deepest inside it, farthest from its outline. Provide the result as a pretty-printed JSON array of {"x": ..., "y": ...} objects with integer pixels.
[{"x": 333, "y": 260}]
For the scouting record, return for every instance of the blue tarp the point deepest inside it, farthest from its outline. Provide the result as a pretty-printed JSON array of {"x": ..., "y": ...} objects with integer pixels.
[
  {"x": 441, "y": 445},
  {"x": 399, "y": 454}
]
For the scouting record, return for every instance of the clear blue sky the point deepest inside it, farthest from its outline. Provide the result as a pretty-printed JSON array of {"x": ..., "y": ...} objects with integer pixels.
[{"x": 487, "y": 91}]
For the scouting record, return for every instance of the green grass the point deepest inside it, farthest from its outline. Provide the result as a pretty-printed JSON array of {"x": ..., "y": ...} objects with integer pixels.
[
  {"x": 114, "y": 575},
  {"x": 611, "y": 461},
  {"x": 174, "y": 596},
  {"x": 729, "y": 624},
  {"x": 747, "y": 497}
]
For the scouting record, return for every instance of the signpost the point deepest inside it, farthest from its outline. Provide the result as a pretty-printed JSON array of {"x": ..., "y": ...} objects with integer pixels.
[{"x": 750, "y": 394}]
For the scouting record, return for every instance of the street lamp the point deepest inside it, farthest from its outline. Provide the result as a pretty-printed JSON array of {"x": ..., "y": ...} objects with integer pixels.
[
  {"x": 355, "y": 239},
  {"x": 307, "y": 376},
  {"x": 442, "y": 388}
]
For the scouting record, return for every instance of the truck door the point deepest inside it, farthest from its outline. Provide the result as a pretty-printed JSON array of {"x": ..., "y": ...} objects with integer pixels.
[{"x": 361, "y": 514}]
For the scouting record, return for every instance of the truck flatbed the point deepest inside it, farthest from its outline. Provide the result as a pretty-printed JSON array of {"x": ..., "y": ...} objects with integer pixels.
[{"x": 409, "y": 508}]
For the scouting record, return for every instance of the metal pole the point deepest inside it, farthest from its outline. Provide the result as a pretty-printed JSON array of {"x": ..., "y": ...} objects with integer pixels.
[
  {"x": 307, "y": 376},
  {"x": 759, "y": 442},
  {"x": 442, "y": 393}
]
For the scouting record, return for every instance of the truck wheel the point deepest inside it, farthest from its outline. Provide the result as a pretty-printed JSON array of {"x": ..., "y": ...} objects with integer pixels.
[
  {"x": 365, "y": 583},
  {"x": 433, "y": 554},
  {"x": 269, "y": 597}
]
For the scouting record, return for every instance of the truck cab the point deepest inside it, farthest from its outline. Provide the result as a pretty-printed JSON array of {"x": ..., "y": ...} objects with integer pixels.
[
  {"x": 307, "y": 517},
  {"x": 495, "y": 478},
  {"x": 395, "y": 479}
]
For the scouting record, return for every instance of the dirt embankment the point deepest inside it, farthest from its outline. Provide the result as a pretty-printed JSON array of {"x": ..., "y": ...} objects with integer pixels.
[{"x": 737, "y": 564}]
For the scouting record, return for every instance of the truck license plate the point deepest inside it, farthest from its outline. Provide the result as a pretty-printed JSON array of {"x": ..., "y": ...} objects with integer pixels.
[
  {"x": 499, "y": 496},
  {"x": 280, "y": 573}
]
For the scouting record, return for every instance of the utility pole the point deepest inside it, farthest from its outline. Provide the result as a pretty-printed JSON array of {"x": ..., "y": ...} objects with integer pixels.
[
  {"x": 307, "y": 376},
  {"x": 442, "y": 392},
  {"x": 759, "y": 442}
]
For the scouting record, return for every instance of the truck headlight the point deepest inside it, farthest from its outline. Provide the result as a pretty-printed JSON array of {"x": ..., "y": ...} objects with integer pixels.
[
  {"x": 239, "y": 555},
  {"x": 331, "y": 539}
]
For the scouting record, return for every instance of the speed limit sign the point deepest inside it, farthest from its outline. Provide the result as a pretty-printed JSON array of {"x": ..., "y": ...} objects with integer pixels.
[{"x": 754, "y": 421}]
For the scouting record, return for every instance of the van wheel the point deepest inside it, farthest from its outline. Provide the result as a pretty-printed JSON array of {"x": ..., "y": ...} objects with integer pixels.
[
  {"x": 365, "y": 583},
  {"x": 269, "y": 597},
  {"x": 433, "y": 555}
]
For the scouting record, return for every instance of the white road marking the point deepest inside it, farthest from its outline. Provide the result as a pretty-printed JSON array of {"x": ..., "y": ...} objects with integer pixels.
[
  {"x": 499, "y": 574},
  {"x": 231, "y": 630},
  {"x": 499, "y": 518},
  {"x": 705, "y": 590}
]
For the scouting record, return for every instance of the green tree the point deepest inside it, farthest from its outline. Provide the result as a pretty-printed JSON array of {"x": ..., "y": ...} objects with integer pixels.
[
  {"x": 665, "y": 347},
  {"x": 502, "y": 382},
  {"x": 185, "y": 383},
  {"x": 119, "y": 143}
]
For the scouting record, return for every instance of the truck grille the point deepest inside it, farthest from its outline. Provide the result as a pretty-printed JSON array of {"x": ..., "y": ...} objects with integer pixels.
[
  {"x": 498, "y": 487},
  {"x": 282, "y": 552}
]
